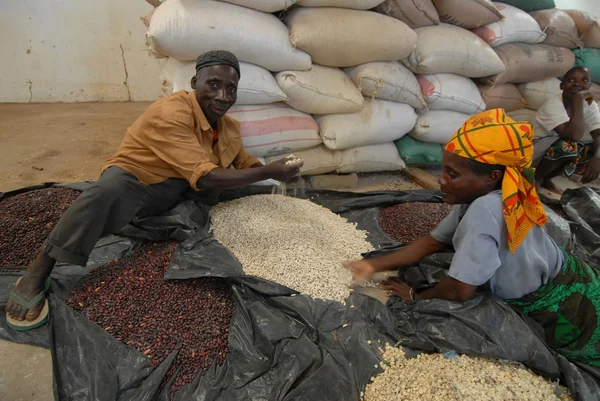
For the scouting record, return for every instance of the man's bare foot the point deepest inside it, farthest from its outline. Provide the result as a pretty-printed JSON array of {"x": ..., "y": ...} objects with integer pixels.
[
  {"x": 549, "y": 185},
  {"x": 32, "y": 283}
]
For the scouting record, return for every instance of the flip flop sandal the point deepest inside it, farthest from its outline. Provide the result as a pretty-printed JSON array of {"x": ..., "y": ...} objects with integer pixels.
[{"x": 26, "y": 325}]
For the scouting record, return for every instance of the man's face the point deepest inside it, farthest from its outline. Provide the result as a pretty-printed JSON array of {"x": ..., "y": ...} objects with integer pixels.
[
  {"x": 575, "y": 81},
  {"x": 216, "y": 90}
]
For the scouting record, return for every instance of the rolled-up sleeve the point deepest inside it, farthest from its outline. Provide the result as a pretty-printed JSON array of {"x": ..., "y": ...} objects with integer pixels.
[
  {"x": 476, "y": 242},
  {"x": 173, "y": 141},
  {"x": 244, "y": 160},
  {"x": 444, "y": 232}
]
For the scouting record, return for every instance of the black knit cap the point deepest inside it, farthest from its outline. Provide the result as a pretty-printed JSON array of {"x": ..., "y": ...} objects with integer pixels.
[{"x": 218, "y": 57}]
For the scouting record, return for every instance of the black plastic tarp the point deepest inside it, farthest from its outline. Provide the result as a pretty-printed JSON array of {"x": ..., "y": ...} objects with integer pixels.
[{"x": 285, "y": 346}]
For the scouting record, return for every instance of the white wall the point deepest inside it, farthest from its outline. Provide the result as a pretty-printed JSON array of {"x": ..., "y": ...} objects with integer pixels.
[
  {"x": 75, "y": 51},
  {"x": 592, "y": 6}
]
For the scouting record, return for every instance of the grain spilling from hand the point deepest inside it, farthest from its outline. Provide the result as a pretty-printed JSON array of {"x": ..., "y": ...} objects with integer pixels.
[
  {"x": 290, "y": 241},
  {"x": 432, "y": 377},
  {"x": 27, "y": 219},
  {"x": 408, "y": 221},
  {"x": 131, "y": 301}
]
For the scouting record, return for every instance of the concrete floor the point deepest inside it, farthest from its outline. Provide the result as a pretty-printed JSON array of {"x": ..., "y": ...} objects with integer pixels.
[
  {"x": 25, "y": 373},
  {"x": 69, "y": 143}
]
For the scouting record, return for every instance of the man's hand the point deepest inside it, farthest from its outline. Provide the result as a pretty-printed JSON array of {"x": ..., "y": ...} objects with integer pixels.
[
  {"x": 284, "y": 169},
  {"x": 362, "y": 270},
  {"x": 592, "y": 171},
  {"x": 586, "y": 96}
]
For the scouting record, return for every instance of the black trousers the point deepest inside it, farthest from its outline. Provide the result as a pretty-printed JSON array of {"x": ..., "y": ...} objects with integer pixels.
[{"x": 111, "y": 203}]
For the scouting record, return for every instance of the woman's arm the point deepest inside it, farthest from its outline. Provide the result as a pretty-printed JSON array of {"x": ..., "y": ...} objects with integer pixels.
[
  {"x": 409, "y": 255},
  {"x": 449, "y": 289}
]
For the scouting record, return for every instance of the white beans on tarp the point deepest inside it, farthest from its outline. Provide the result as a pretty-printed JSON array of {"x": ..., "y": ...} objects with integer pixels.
[
  {"x": 432, "y": 377},
  {"x": 291, "y": 241}
]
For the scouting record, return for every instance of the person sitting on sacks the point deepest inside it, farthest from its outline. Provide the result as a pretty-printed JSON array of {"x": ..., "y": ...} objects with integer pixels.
[
  {"x": 182, "y": 140},
  {"x": 574, "y": 145},
  {"x": 496, "y": 229}
]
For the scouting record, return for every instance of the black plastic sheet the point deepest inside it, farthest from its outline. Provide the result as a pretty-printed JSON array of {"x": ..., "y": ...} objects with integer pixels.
[
  {"x": 582, "y": 205},
  {"x": 285, "y": 346}
]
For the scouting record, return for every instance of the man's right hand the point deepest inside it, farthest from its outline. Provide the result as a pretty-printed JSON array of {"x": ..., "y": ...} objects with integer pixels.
[
  {"x": 586, "y": 96},
  {"x": 281, "y": 171}
]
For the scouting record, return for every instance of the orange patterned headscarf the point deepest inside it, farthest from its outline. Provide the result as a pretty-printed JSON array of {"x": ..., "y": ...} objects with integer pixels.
[{"x": 493, "y": 138}]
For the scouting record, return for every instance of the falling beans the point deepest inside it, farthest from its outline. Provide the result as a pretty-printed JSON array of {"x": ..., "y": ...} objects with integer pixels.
[
  {"x": 131, "y": 301},
  {"x": 408, "y": 221},
  {"x": 27, "y": 219}
]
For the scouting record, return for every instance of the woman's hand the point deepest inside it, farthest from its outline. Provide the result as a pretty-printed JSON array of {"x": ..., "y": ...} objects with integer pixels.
[
  {"x": 362, "y": 270},
  {"x": 397, "y": 288}
]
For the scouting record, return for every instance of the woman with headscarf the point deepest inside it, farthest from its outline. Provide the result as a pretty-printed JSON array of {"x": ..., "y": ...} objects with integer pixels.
[{"x": 496, "y": 229}]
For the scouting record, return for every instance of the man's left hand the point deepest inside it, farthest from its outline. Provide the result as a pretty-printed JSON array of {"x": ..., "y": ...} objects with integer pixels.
[
  {"x": 592, "y": 171},
  {"x": 397, "y": 288}
]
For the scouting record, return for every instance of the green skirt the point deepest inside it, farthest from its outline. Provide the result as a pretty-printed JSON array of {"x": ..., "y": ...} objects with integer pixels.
[{"x": 568, "y": 308}]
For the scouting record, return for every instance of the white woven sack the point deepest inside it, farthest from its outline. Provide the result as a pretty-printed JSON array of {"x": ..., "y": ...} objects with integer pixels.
[
  {"x": 446, "y": 48},
  {"x": 184, "y": 29},
  {"x": 538, "y": 93},
  {"x": 516, "y": 26},
  {"x": 388, "y": 80},
  {"x": 451, "y": 92},
  {"x": 267, "y": 6},
  {"x": 371, "y": 159},
  {"x": 438, "y": 126},
  {"x": 274, "y": 129},
  {"x": 320, "y": 90},
  {"x": 379, "y": 121}
]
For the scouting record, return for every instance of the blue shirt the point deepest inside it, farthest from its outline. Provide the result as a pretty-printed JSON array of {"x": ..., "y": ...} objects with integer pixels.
[{"x": 479, "y": 236}]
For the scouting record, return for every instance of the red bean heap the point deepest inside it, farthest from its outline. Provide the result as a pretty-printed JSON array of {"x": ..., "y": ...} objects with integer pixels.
[
  {"x": 26, "y": 221},
  {"x": 408, "y": 221},
  {"x": 131, "y": 301}
]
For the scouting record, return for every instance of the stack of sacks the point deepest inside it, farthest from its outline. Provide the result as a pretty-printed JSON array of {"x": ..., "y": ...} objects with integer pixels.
[
  {"x": 319, "y": 83},
  {"x": 535, "y": 49},
  {"x": 447, "y": 56},
  {"x": 450, "y": 96},
  {"x": 529, "y": 51},
  {"x": 363, "y": 108}
]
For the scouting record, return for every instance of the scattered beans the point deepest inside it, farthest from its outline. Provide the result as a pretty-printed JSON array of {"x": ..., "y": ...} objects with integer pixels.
[
  {"x": 131, "y": 301},
  {"x": 406, "y": 222},
  {"x": 432, "y": 377},
  {"x": 291, "y": 241},
  {"x": 27, "y": 219}
]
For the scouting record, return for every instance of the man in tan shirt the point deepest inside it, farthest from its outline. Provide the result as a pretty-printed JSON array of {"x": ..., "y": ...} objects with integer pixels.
[{"x": 183, "y": 140}]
